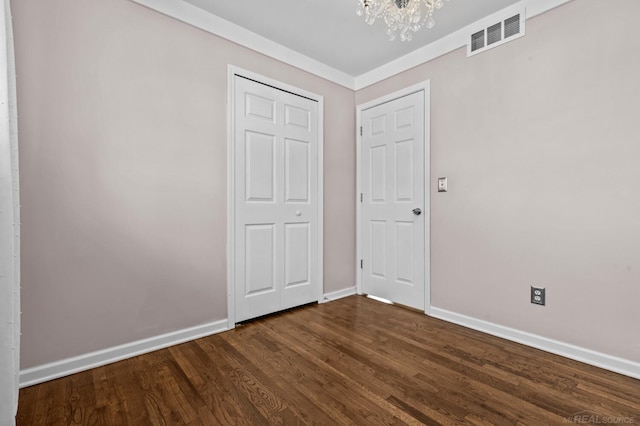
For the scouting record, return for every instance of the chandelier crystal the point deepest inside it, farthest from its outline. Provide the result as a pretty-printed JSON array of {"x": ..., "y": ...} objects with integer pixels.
[{"x": 403, "y": 17}]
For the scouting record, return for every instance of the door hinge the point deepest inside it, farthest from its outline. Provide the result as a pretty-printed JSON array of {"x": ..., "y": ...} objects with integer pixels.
[
  {"x": 360, "y": 130},
  {"x": 361, "y": 263},
  {"x": 361, "y": 197}
]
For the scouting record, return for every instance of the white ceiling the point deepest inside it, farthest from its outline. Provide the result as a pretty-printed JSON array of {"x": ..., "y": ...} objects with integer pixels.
[{"x": 329, "y": 31}]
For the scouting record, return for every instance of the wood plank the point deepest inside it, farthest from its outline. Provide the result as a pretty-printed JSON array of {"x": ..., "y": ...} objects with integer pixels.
[
  {"x": 351, "y": 361},
  {"x": 303, "y": 390},
  {"x": 225, "y": 401},
  {"x": 327, "y": 386}
]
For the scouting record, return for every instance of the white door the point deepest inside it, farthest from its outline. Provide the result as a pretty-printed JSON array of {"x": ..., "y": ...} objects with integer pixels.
[
  {"x": 275, "y": 200},
  {"x": 393, "y": 185}
]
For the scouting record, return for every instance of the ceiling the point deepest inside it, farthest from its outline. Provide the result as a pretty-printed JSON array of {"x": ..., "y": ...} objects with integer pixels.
[{"x": 328, "y": 31}]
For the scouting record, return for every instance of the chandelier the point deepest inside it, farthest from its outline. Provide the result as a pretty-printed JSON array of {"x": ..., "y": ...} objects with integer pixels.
[{"x": 403, "y": 17}]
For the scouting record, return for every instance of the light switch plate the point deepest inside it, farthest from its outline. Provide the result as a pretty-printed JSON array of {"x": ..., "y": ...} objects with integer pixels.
[{"x": 442, "y": 184}]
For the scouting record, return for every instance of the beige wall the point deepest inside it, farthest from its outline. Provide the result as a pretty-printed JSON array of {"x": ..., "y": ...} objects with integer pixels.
[
  {"x": 123, "y": 166},
  {"x": 540, "y": 140},
  {"x": 123, "y": 173}
]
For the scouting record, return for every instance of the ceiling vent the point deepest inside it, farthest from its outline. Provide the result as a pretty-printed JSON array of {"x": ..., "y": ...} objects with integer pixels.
[{"x": 492, "y": 34}]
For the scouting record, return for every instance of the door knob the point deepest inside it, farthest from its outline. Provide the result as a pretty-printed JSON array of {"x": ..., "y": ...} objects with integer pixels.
[{"x": 417, "y": 211}]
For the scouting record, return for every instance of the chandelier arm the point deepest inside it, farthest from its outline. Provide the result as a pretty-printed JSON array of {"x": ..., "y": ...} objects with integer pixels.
[{"x": 402, "y": 17}]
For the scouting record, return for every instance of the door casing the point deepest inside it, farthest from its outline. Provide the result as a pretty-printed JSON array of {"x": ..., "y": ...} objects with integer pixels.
[
  {"x": 425, "y": 87},
  {"x": 232, "y": 72}
]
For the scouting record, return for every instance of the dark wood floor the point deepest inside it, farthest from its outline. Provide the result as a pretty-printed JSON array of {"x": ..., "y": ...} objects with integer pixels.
[{"x": 352, "y": 361}]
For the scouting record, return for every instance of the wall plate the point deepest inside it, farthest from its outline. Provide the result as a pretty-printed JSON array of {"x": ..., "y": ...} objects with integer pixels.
[
  {"x": 442, "y": 184},
  {"x": 538, "y": 295}
]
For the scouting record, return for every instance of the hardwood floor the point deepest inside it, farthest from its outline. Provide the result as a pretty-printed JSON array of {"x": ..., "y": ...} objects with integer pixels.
[{"x": 352, "y": 361}]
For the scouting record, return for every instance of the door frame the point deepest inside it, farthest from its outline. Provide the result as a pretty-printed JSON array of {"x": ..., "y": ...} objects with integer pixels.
[
  {"x": 232, "y": 72},
  {"x": 420, "y": 87}
]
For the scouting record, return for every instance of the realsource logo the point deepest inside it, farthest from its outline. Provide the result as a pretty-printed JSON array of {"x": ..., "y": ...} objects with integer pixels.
[{"x": 591, "y": 418}]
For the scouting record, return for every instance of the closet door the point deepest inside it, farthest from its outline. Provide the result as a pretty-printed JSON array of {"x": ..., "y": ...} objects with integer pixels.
[{"x": 275, "y": 200}]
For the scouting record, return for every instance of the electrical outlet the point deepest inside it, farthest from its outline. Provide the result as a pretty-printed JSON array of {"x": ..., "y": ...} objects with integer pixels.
[{"x": 538, "y": 295}]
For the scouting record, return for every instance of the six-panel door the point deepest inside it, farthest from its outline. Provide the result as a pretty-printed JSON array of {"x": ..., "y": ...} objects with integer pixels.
[
  {"x": 275, "y": 200},
  {"x": 393, "y": 182}
]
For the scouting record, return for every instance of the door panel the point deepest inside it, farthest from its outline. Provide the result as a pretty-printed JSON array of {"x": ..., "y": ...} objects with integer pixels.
[
  {"x": 378, "y": 125},
  {"x": 260, "y": 107},
  {"x": 260, "y": 167},
  {"x": 405, "y": 243},
  {"x": 378, "y": 173},
  {"x": 297, "y": 260},
  {"x": 260, "y": 259},
  {"x": 404, "y": 170},
  {"x": 297, "y": 171},
  {"x": 295, "y": 116},
  {"x": 394, "y": 184},
  {"x": 276, "y": 199},
  {"x": 404, "y": 117},
  {"x": 378, "y": 229}
]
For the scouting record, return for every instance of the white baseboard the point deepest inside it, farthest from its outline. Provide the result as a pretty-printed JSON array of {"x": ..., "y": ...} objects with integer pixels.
[
  {"x": 65, "y": 367},
  {"x": 598, "y": 359},
  {"x": 335, "y": 295}
]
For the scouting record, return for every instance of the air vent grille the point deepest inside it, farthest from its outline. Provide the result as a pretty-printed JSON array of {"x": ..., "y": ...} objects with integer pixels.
[
  {"x": 477, "y": 41},
  {"x": 497, "y": 33},
  {"x": 494, "y": 33},
  {"x": 512, "y": 26}
]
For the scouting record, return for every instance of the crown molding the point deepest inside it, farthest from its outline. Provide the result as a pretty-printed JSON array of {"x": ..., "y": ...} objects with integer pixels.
[
  {"x": 203, "y": 20},
  {"x": 449, "y": 43},
  {"x": 213, "y": 24}
]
